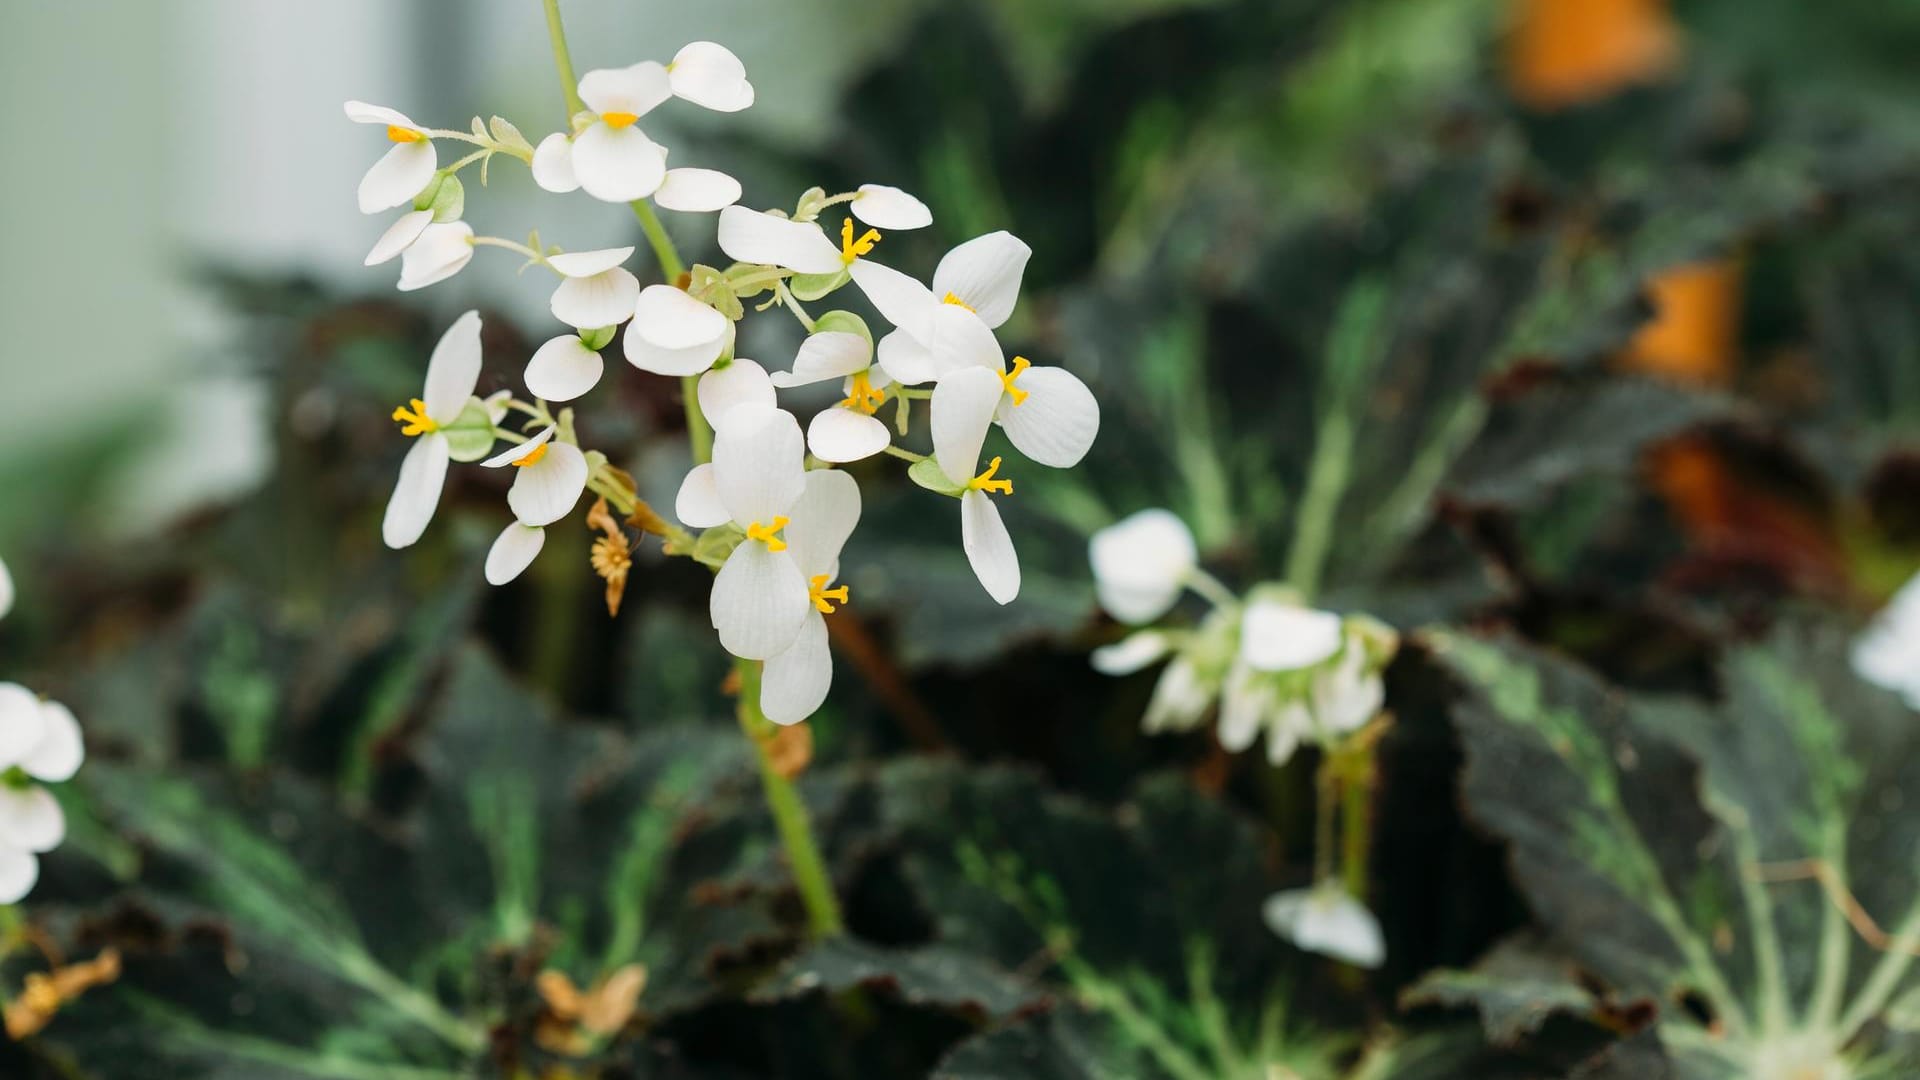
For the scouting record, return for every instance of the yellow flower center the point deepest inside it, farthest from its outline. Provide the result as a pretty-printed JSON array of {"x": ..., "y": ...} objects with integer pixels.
[
  {"x": 769, "y": 534},
  {"x": 404, "y": 135},
  {"x": 533, "y": 456},
  {"x": 850, "y": 248},
  {"x": 1019, "y": 396},
  {"x": 957, "y": 302},
  {"x": 414, "y": 420},
  {"x": 986, "y": 482},
  {"x": 617, "y": 120},
  {"x": 863, "y": 396},
  {"x": 817, "y": 589}
]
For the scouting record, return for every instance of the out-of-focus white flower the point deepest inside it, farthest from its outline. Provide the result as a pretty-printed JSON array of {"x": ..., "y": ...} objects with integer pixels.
[
  {"x": 452, "y": 373},
  {"x": 710, "y": 76},
  {"x": 956, "y": 447},
  {"x": 847, "y": 431},
  {"x": 439, "y": 252},
  {"x": 1276, "y": 635},
  {"x": 1193, "y": 677},
  {"x": 513, "y": 551},
  {"x": 674, "y": 334},
  {"x": 1327, "y": 920},
  {"x": 399, "y": 236},
  {"x": 563, "y": 369},
  {"x": 1888, "y": 653},
  {"x": 1141, "y": 563},
  {"x": 6, "y": 590},
  {"x": 42, "y": 740},
  {"x": 550, "y": 477},
  {"x": 1301, "y": 676},
  {"x": 597, "y": 290},
  {"x": 795, "y": 681},
  {"x": 802, "y": 246},
  {"x": 407, "y": 168}
]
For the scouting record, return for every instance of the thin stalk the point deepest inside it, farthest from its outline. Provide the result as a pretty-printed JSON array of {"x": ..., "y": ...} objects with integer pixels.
[
  {"x": 670, "y": 265},
  {"x": 699, "y": 432},
  {"x": 1210, "y": 588},
  {"x": 905, "y": 455},
  {"x": 789, "y": 813},
  {"x": 563, "y": 60},
  {"x": 1327, "y": 786},
  {"x": 1353, "y": 820}
]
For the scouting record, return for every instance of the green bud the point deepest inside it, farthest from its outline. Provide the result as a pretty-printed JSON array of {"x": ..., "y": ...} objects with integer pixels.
[
  {"x": 599, "y": 338},
  {"x": 928, "y": 474},
  {"x": 810, "y": 287},
  {"x": 508, "y": 136},
  {"x": 845, "y": 322},
  {"x": 812, "y": 201},
  {"x": 449, "y": 200}
]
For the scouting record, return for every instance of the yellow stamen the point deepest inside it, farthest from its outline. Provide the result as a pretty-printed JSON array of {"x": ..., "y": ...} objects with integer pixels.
[
  {"x": 986, "y": 482},
  {"x": 863, "y": 396},
  {"x": 769, "y": 534},
  {"x": 957, "y": 302},
  {"x": 817, "y": 589},
  {"x": 618, "y": 120},
  {"x": 401, "y": 134},
  {"x": 533, "y": 456},
  {"x": 414, "y": 420},
  {"x": 1019, "y": 396},
  {"x": 850, "y": 248}
]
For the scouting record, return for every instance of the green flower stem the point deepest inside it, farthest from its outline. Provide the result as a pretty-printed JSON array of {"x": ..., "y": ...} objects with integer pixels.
[
  {"x": 1357, "y": 770},
  {"x": 657, "y": 238},
  {"x": 1327, "y": 787},
  {"x": 905, "y": 455},
  {"x": 789, "y": 813},
  {"x": 562, "y": 59}
]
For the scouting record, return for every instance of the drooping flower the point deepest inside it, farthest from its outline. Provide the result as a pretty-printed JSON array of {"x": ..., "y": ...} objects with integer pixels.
[
  {"x": 847, "y": 431},
  {"x": 452, "y": 373},
  {"x": 41, "y": 740},
  {"x": 611, "y": 157},
  {"x": 550, "y": 476},
  {"x": 439, "y": 252},
  {"x": 674, "y": 334},
  {"x": 957, "y": 440},
  {"x": 1327, "y": 920},
  {"x": 1141, "y": 563},
  {"x": 1301, "y": 676},
  {"x": 6, "y": 590},
  {"x": 795, "y": 681},
  {"x": 597, "y": 290},
  {"x": 399, "y": 236},
  {"x": 1887, "y": 654},
  {"x": 406, "y": 170},
  {"x": 564, "y": 368},
  {"x": 711, "y": 76}
]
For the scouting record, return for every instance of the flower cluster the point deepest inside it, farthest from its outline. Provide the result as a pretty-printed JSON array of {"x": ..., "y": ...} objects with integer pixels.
[
  {"x": 771, "y": 510},
  {"x": 39, "y": 741}
]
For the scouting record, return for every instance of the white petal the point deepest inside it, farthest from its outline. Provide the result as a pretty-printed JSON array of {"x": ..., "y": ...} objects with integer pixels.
[
  {"x": 830, "y": 354},
  {"x": 1056, "y": 422},
  {"x": 697, "y": 191},
  {"x": 989, "y": 548},
  {"x": 984, "y": 273},
  {"x": 1141, "y": 563},
  {"x": 19, "y": 870},
  {"x": 759, "y": 602},
  {"x": 1277, "y": 636},
  {"x": 496, "y": 405},
  {"x": 399, "y": 236},
  {"x": 513, "y": 551},
  {"x": 22, "y": 724},
  {"x": 794, "y": 684},
  {"x": 442, "y": 250},
  {"x": 31, "y": 818},
  {"x": 1887, "y": 653},
  {"x": 618, "y": 164},
  {"x": 900, "y": 299},
  {"x": 1132, "y": 653},
  {"x": 6, "y": 590},
  {"x": 400, "y": 175},
  {"x": 758, "y": 464},
  {"x": 842, "y": 435},
  {"x": 635, "y": 90},
  {"x": 553, "y": 164},
  {"x": 563, "y": 369},
  {"x": 671, "y": 319},
  {"x": 710, "y": 75},
  {"x": 886, "y": 207},
  {"x": 546, "y": 491},
  {"x": 741, "y": 382},
  {"x": 362, "y": 113},
  {"x": 453, "y": 370},
  {"x": 1180, "y": 698},
  {"x": 907, "y": 360},
  {"x": 957, "y": 338},
  {"x": 61, "y": 749},
  {"x": 1326, "y": 920},
  {"x": 517, "y": 451},
  {"x": 753, "y": 237},
  {"x": 1243, "y": 707},
  {"x": 417, "y": 494},
  {"x": 698, "y": 504},
  {"x": 963, "y": 405},
  {"x": 691, "y": 360},
  {"x": 605, "y": 299},
  {"x": 583, "y": 264},
  {"x": 823, "y": 517}
]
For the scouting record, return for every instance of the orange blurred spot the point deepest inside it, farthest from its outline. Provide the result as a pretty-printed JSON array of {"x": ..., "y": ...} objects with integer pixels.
[
  {"x": 1568, "y": 52},
  {"x": 1695, "y": 325}
]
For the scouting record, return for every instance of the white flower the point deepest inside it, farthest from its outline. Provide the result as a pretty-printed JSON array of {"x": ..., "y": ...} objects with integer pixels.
[
  {"x": 795, "y": 681},
  {"x": 513, "y": 551},
  {"x": 42, "y": 740},
  {"x": 598, "y": 291},
  {"x": 848, "y": 431},
  {"x": 692, "y": 190},
  {"x": 674, "y": 334},
  {"x": 399, "y": 236},
  {"x": 551, "y": 477},
  {"x": 438, "y": 253},
  {"x": 612, "y": 158},
  {"x": 710, "y": 76},
  {"x": 1279, "y": 636},
  {"x": 957, "y": 439},
  {"x": 1141, "y": 563},
  {"x": 1192, "y": 679},
  {"x": 6, "y": 590},
  {"x": 563, "y": 369},
  {"x": 406, "y": 170},
  {"x": 452, "y": 373},
  {"x": 758, "y": 481},
  {"x": 740, "y": 382},
  {"x": 752, "y": 236},
  {"x": 1328, "y": 921},
  {"x": 1887, "y": 654},
  {"x": 553, "y": 164},
  {"x": 1301, "y": 676}
]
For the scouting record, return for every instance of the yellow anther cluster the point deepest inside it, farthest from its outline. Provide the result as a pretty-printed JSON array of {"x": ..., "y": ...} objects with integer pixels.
[
  {"x": 823, "y": 597},
  {"x": 851, "y": 248},
  {"x": 619, "y": 119},
  {"x": 769, "y": 534},
  {"x": 532, "y": 457},
  {"x": 1019, "y": 396},
  {"x": 414, "y": 420},
  {"x": 403, "y": 134},
  {"x": 863, "y": 396},
  {"x": 986, "y": 482}
]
